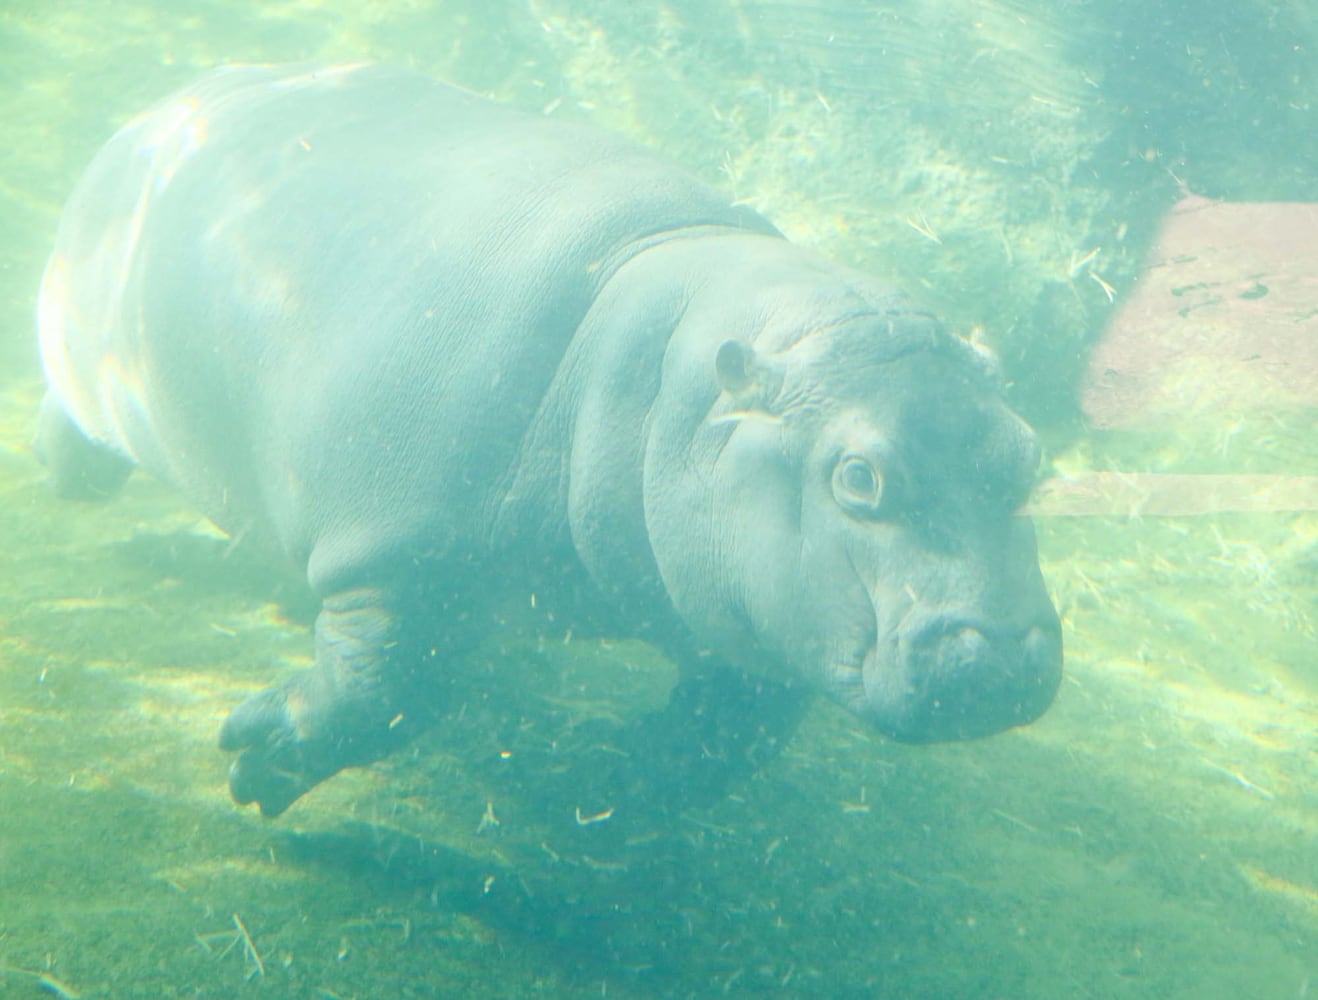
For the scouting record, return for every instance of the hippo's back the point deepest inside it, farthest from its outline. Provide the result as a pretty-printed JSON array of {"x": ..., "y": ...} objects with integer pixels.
[{"x": 331, "y": 301}]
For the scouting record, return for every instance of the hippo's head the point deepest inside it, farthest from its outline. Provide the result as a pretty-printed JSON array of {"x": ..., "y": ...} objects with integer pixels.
[{"x": 847, "y": 513}]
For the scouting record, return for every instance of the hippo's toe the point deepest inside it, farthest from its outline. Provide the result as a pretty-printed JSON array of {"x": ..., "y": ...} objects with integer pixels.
[
  {"x": 291, "y": 738},
  {"x": 261, "y": 721},
  {"x": 254, "y": 778},
  {"x": 272, "y": 768}
]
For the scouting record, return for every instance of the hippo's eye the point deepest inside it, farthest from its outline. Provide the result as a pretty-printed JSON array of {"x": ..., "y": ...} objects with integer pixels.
[{"x": 857, "y": 485}]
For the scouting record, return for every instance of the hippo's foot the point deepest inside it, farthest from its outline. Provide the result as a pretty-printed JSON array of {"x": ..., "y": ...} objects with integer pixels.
[
  {"x": 79, "y": 468},
  {"x": 358, "y": 704},
  {"x": 291, "y": 738}
]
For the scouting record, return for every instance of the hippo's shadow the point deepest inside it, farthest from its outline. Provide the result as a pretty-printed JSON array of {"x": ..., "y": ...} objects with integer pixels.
[
  {"x": 608, "y": 894},
  {"x": 577, "y": 917}
]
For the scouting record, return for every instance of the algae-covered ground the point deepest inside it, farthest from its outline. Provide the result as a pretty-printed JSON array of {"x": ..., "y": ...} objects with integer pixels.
[{"x": 1152, "y": 836}]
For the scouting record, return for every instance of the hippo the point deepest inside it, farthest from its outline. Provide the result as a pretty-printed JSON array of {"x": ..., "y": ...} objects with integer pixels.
[{"x": 438, "y": 354}]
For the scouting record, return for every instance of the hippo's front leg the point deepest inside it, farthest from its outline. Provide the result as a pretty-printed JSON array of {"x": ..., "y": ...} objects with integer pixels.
[{"x": 360, "y": 702}]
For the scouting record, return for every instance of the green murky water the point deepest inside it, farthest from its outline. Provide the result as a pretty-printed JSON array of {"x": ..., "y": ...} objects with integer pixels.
[{"x": 1153, "y": 836}]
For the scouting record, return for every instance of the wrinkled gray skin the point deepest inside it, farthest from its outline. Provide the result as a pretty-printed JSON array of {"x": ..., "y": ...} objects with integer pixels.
[{"x": 439, "y": 354}]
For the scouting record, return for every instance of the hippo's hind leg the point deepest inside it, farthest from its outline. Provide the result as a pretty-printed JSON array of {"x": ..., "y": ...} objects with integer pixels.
[
  {"x": 365, "y": 697},
  {"x": 79, "y": 469}
]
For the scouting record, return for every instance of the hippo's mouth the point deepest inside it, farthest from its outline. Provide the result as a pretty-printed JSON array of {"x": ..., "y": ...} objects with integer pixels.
[{"x": 955, "y": 679}]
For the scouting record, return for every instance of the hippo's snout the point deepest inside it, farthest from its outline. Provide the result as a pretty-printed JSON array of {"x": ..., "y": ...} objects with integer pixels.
[{"x": 958, "y": 679}]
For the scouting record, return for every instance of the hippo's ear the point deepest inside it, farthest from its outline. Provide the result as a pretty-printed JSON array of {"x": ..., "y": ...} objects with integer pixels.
[{"x": 743, "y": 375}]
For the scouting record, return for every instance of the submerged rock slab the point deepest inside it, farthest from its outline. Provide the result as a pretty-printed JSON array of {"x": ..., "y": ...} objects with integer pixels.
[
  {"x": 1223, "y": 320},
  {"x": 1204, "y": 388},
  {"x": 1167, "y": 494}
]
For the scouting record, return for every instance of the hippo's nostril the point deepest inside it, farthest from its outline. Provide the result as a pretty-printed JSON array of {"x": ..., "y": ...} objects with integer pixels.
[
  {"x": 1041, "y": 655},
  {"x": 964, "y": 648},
  {"x": 943, "y": 650},
  {"x": 1041, "y": 644}
]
